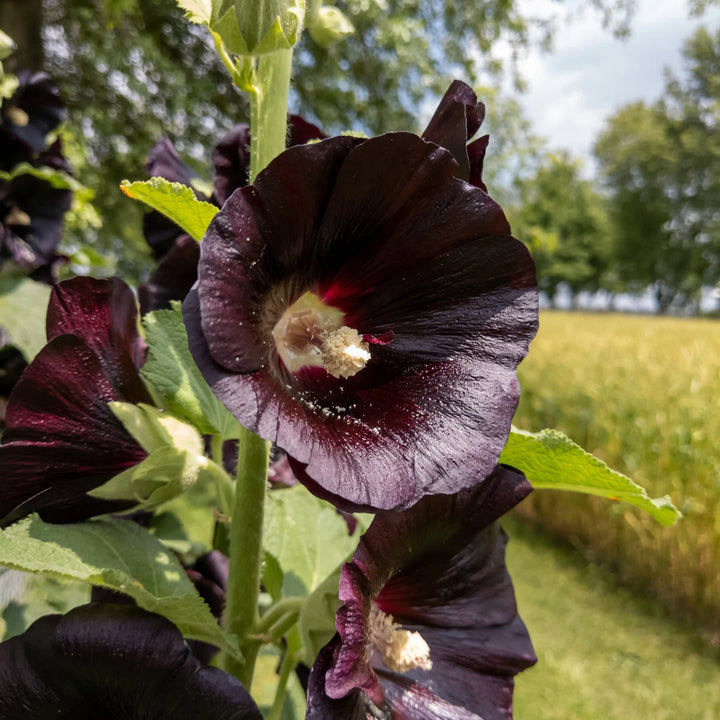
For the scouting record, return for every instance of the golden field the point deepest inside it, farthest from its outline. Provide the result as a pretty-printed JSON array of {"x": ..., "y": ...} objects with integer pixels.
[{"x": 643, "y": 394}]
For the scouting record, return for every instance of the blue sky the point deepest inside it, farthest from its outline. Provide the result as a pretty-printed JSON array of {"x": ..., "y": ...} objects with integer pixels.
[{"x": 589, "y": 73}]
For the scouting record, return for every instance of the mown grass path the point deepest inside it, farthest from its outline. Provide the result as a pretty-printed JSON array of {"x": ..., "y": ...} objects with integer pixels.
[{"x": 604, "y": 654}]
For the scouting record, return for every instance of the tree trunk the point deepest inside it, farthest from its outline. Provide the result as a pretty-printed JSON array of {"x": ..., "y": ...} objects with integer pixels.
[{"x": 22, "y": 21}]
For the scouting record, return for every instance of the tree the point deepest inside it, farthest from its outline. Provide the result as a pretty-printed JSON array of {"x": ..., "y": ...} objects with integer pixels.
[
  {"x": 563, "y": 219},
  {"x": 660, "y": 163},
  {"x": 134, "y": 70}
]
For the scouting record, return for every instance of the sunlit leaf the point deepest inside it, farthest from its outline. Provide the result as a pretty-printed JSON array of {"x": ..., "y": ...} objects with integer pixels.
[
  {"x": 551, "y": 460},
  {"x": 174, "y": 200},
  {"x": 120, "y": 555}
]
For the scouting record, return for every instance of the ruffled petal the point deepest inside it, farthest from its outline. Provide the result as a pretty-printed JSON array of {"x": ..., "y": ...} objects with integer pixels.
[
  {"x": 438, "y": 570},
  {"x": 457, "y": 118},
  {"x": 111, "y": 662},
  {"x": 103, "y": 313},
  {"x": 61, "y": 438}
]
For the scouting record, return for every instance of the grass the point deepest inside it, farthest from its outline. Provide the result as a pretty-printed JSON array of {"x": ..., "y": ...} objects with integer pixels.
[
  {"x": 603, "y": 653},
  {"x": 643, "y": 394}
]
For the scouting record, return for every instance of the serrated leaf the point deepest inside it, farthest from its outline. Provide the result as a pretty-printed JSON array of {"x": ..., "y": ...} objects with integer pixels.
[
  {"x": 174, "y": 200},
  {"x": 23, "y": 306},
  {"x": 175, "y": 379},
  {"x": 307, "y": 536},
  {"x": 549, "y": 459},
  {"x": 197, "y": 11},
  {"x": 120, "y": 555}
]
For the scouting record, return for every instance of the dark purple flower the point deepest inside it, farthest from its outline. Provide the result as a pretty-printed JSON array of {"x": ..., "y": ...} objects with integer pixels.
[
  {"x": 428, "y": 628},
  {"x": 34, "y": 110},
  {"x": 31, "y": 210},
  {"x": 178, "y": 253},
  {"x": 365, "y": 310},
  {"x": 113, "y": 662},
  {"x": 61, "y": 438},
  {"x": 457, "y": 118}
]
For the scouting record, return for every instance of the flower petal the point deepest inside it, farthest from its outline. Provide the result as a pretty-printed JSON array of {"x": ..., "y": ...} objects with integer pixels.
[
  {"x": 438, "y": 570},
  {"x": 103, "y": 313},
  {"x": 457, "y": 118},
  {"x": 231, "y": 159},
  {"x": 173, "y": 277},
  {"x": 113, "y": 662},
  {"x": 62, "y": 439}
]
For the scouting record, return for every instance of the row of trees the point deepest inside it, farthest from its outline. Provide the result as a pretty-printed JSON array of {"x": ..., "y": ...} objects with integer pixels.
[{"x": 653, "y": 219}]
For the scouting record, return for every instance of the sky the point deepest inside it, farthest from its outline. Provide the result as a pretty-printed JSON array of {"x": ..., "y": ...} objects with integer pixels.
[{"x": 573, "y": 89}]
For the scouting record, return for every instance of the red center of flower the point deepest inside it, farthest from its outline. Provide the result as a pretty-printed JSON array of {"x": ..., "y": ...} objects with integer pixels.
[{"x": 311, "y": 333}]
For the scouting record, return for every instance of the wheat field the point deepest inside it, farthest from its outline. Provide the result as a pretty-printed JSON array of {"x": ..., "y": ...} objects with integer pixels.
[{"x": 642, "y": 393}]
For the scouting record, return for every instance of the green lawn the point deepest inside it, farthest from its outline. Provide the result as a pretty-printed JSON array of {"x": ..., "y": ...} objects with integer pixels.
[{"x": 604, "y": 654}]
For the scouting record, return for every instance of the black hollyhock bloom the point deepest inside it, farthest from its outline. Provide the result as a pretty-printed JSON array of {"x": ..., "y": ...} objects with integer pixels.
[
  {"x": 113, "y": 662},
  {"x": 34, "y": 110},
  {"x": 61, "y": 438},
  {"x": 365, "y": 310},
  {"x": 177, "y": 252},
  {"x": 31, "y": 210},
  {"x": 428, "y": 628}
]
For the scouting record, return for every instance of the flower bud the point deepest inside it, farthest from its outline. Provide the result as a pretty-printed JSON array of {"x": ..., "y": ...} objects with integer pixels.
[
  {"x": 251, "y": 28},
  {"x": 329, "y": 26}
]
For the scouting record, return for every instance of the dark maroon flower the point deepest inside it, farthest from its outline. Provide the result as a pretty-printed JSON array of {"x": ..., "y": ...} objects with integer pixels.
[
  {"x": 61, "y": 438},
  {"x": 113, "y": 662},
  {"x": 178, "y": 253},
  {"x": 175, "y": 274},
  {"x": 34, "y": 110},
  {"x": 365, "y": 310},
  {"x": 457, "y": 118},
  {"x": 428, "y": 628},
  {"x": 31, "y": 210}
]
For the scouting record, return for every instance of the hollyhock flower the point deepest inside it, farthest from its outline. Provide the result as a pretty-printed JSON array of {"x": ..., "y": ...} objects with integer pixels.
[
  {"x": 31, "y": 210},
  {"x": 177, "y": 252},
  {"x": 428, "y": 628},
  {"x": 365, "y": 310},
  {"x": 113, "y": 662},
  {"x": 61, "y": 438}
]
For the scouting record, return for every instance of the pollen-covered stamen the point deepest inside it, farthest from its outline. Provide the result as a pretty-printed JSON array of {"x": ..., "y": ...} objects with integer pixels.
[
  {"x": 311, "y": 334},
  {"x": 401, "y": 650}
]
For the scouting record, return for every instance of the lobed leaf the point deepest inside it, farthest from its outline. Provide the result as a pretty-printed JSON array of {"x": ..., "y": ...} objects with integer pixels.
[
  {"x": 307, "y": 537},
  {"x": 174, "y": 200},
  {"x": 120, "y": 555},
  {"x": 549, "y": 459}
]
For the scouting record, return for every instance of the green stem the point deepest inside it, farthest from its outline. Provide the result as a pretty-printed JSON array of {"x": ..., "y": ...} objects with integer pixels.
[
  {"x": 287, "y": 665},
  {"x": 268, "y": 109},
  {"x": 279, "y": 609},
  {"x": 246, "y": 552},
  {"x": 224, "y": 485}
]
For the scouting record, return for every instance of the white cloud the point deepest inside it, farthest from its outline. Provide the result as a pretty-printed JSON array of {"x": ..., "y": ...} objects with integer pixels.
[{"x": 589, "y": 73}]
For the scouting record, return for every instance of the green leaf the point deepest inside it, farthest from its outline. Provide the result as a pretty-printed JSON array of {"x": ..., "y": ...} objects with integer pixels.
[
  {"x": 197, "y": 11},
  {"x": 120, "y": 555},
  {"x": 174, "y": 200},
  {"x": 56, "y": 178},
  {"x": 551, "y": 460},
  {"x": 307, "y": 536},
  {"x": 23, "y": 306},
  {"x": 175, "y": 379},
  {"x": 317, "y": 618}
]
